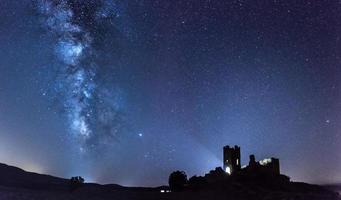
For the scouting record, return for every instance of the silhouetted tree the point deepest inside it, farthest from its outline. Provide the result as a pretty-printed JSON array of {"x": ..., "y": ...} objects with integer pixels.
[
  {"x": 197, "y": 182},
  {"x": 76, "y": 182},
  {"x": 177, "y": 180}
]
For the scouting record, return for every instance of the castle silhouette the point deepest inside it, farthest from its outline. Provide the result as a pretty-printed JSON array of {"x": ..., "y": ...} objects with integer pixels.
[
  {"x": 231, "y": 162},
  {"x": 231, "y": 167}
]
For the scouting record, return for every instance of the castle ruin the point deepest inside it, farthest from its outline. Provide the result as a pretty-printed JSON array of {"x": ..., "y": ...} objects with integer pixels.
[{"x": 231, "y": 163}]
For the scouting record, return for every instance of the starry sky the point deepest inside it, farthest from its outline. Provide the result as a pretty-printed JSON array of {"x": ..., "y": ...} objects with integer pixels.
[{"x": 128, "y": 91}]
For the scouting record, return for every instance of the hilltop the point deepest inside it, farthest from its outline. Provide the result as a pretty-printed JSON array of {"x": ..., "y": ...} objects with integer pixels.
[{"x": 16, "y": 183}]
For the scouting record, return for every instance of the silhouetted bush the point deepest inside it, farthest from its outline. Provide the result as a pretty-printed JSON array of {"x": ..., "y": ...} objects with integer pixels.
[
  {"x": 76, "y": 182},
  {"x": 177, "y": 180},
  {"x": 197, "y": 182}
]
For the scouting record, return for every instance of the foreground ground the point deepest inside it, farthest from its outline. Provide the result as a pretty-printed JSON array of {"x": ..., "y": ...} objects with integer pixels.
[
  {"x": 17, "y": 184},
  {"x": 107, "y": 192}
]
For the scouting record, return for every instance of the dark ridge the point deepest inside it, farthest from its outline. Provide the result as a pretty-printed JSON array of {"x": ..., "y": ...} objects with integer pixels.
[{"x": 16, "y": 183}]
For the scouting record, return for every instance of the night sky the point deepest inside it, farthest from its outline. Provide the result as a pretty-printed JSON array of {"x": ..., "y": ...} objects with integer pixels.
[{"x": 126, "y": 92}]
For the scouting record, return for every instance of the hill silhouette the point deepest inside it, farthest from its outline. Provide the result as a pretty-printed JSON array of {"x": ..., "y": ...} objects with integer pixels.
[
  {"x": 15, "y": 177},
  {"x": 16, "y": 183}
]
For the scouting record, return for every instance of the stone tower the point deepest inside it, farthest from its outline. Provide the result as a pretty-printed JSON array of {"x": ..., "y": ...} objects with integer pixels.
[{"x": 231, "y": 159}]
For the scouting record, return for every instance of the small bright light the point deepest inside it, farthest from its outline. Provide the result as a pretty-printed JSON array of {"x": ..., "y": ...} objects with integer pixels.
[
  {"x": 265, "y": 161},
  {"x": 228, "y": 170},
  {"x": 140, "y": 134},
  {"x": 162, "y": 191}
]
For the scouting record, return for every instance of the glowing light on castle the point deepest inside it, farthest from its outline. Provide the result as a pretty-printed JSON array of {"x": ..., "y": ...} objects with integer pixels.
[{"x": 228, "y": 170}]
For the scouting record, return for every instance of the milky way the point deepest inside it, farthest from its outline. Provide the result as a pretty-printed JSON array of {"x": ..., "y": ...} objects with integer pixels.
[{"x": 93, "y": 119}]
